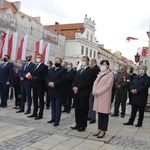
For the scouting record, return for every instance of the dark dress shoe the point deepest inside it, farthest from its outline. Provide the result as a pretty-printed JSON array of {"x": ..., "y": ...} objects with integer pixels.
[
  {"x": 96, "y": 134},
  {"x": 47, "y": 107},
  {"x": 75, "y": 127},
  {"x": 101, "y": 136},
  {"x": 92, "y": 121},
  {"x": 138, "y": 125},
  {"x": 20, "y": 111},
  {"x": 114, "y": 115},
  {"x": 4, "y": 106},
  {"x": 32, "y": 116},
  {"x": 27, "y": 112},
  {"x": 64, "y": 111},
  {"x": 128, "y": 123},
  {"x": 81, "y": 129},
  {"x": 68, "y": 112},
  {"x": 56, "y": 124},
  {"x": 38, "y": 117},
  {"x": 122, "y": 116},
  {"x": 51, "y": 121},
  {"x": 89, "y": 119},
  {"x": 1, "y": 105}
]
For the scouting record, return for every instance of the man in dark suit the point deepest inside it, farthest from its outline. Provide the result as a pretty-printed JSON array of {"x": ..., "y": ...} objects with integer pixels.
[
  {"x": 94, "y": 70},
  {"x": 68, "y": 87},
  {"x": 139, "y": 89},
  {"x": 132, "y": 76},
  {"x": 38, "y": 83},
  {"x": 81, "y": 88},
  {"x": 6, "y": 70},
  {"x": 49, "y": 64},
  {"x": 26, "y": 83},
  {"x": 122, "y": 82},
  {"x": 55, "y": 80}
]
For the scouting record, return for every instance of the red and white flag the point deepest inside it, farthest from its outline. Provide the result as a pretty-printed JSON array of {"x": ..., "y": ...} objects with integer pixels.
[
  {"x": 39, "y": 48},
  {"x": 128, "y": 39},
  {"x": 22, "y": 49},
  {"x": 5, "y": 40},
  {"x": 142, "y": 51},
  {"x": 12, "y": 47},
  {"x": 46, "y": 53}
]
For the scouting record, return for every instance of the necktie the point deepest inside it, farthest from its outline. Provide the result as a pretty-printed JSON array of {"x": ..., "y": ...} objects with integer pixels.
[
  {"x": 26, "y": 66},
  {"x": 81, "y": 71}
]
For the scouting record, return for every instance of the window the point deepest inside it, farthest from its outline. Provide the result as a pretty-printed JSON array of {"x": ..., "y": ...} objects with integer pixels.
[
  {"x": 91, "y": 37},
  {"x": 82, "y": 50},
  {"x": 94, "y": 54},
  {"x": 86, "y": 52},
  {"x": 90, "y": 52},
  {"x": 87, "y": 35}
]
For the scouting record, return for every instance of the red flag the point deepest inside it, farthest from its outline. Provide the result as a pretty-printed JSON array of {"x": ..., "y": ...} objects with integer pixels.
[
  {"x": 46, "y": 53},
  {"x": 144, "y": 51},
  {"x": 39, "y": 48},
  {"x": 131, "y": 38}
]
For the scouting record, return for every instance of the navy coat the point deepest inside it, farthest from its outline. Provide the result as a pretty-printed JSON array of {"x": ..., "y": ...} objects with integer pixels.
[{"x": 141, "y": 84}]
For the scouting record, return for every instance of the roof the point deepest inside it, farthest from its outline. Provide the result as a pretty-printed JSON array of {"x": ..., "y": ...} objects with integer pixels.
[
  {"x": 68, "y": 30},
  {"x": 10, "y": 5}
]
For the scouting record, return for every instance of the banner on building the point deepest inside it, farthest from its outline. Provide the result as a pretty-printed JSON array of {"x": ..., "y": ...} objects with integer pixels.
[
  {"x": 46, "y": 53},
  {"x": 39, "y": 48}
]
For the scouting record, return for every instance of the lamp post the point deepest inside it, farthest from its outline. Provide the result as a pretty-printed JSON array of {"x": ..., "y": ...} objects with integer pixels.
[
  {"x": 137, "y": 60},
  {"x": 148, "y": 56}
]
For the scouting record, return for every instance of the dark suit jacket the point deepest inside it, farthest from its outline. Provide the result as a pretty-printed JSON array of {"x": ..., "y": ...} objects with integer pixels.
[
  {"x": 141, "y": 84},
  {"x": 94, "y": 70},
  {"x": 58, "y": 77},
  {"x": 83, "y": 82},
  {"x": 6, "y": 72},
  {"x": 39, "y": 76},
  {"x": 23, "y": 73},
  {"x": 70, "y": 77},
  {"x": 123, "y": 80}
]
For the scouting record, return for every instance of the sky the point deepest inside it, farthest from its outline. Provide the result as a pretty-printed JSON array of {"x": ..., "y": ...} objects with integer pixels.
[{"x": 115, "y": 19}]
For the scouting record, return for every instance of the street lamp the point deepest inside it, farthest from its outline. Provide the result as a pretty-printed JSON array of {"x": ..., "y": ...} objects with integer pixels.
[{"x": 137, "y": 58}]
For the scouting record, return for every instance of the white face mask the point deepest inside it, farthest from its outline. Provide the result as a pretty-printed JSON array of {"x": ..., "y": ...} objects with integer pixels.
[
  {"x": 69, "y": 66},
  {"x": 83, "y": 64},
  {"x": 103, "y": 68},
  {"x": 38, "y": 60}
]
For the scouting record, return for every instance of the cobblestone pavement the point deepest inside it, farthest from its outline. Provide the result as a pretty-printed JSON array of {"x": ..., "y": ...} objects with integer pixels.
[{"x": 17, "y": 132}]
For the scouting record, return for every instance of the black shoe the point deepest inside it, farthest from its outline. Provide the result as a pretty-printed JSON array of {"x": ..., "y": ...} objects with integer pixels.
[
  {"x": 27, "y": 112},
  {"x": 101, "y": 135},
  {"x": 20, "y": 111},
  {"x": 38, "y": 117},
  {"x": 51, "y": 121},
  {"x": 75, "y": 127},
  {"x": 81, "y": 129},
  {"x": 92, "y": 121},
  {"x": 32, "y": 116},
  {"x": 56, "y": 123},
  {"x": 89, "y": 119},
  {"x": 128, "y": 123},
  {"x": 122, "y": 116},
  {"x": 1, "y": 105},
  {"x": 64, "y": 111},
  {"x": 67, "y": 112},
  {"x": 114, "y": 115},
  {"x": 96, "y": 134},
  {"x": 47, "y": 107},
  {"x": 138, "y": 125},
  {"x": 4, "y": 106}
]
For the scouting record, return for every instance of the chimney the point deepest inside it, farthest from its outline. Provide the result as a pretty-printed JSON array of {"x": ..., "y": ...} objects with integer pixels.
[
  {"x": 56, "y": 23},
  {"x": 38, "y": 19},
  {"x": 1, "y": 4},
  {"x": 17, "y": 4}
]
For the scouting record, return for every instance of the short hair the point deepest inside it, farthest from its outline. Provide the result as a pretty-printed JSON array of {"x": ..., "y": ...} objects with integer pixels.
[
  {"x": 59, "y": 59},
  {"x": 93, "y": 59},
  {"x": 7, "y": 56},
  {"x": 40, "y": 55},
  {"x": 51, "y": 63},
  {"x": 105, "y": 61},
  {"x": 88, "y": 59}
]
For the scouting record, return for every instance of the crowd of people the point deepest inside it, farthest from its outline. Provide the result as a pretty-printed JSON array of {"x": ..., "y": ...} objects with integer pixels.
[{"x": 90, "y": 90}]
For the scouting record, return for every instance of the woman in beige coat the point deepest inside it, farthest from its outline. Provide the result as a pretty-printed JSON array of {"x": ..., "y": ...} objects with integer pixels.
[{"x": 102, "y": 90}]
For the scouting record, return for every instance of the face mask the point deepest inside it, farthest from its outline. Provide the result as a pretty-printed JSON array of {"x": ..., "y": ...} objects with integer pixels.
[
  {"x": 38, "y": 60},
  {"x": 83, "y": 64},
  {"x": 141, "y": 72},
  {"x": 69, "y": 66},
  {"x": 57, "y": 64},
  {"x": 5, "y": 60},
  {"x": 103, "y": 68},
  {"x": 131, "y": 71}
]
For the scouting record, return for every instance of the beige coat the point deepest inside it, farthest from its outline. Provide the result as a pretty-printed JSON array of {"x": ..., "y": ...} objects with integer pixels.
[{"x": 102, "y": 92}]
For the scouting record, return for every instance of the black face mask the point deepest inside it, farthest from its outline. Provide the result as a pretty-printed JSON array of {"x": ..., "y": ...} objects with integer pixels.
[
  {"x": 131, "y": 71},
  {"x": 5, "y": 60},
  {"x": 57, "y": 64}
]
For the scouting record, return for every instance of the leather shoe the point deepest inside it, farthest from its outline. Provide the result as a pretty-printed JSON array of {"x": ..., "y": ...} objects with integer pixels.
[
  {"x": 51, "y": 121},
  {"x": 81, "y": 129},
  {"x": 128, "y": 123},
  {"x": 138, "y": 125},
  {"x": 38, "y": 117},
  {"x": 32, "y": 116},
  {"x": 20, "y": 111},
  {"x": 64, "y": 111},
  {"x": 92, "y": 121},
  {"x": 96, "y": 134},
  {"x": 56, "y": 124},
  {"x": 27, "y": 112},
  {"x": 114, "y": 115},
  {"x": 101, "y": 136},
  {"x": 75, "y": 127},
  {"x": 122, "y": 116}
]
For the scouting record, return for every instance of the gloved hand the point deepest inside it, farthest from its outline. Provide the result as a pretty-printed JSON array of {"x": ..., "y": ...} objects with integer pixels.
[{"x": 7, "y": 83}]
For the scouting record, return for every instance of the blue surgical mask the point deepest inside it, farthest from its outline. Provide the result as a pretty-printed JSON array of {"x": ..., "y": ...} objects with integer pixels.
[
  {"x": 83, "y": 64},
  {"x": 141, "y": 72}
]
